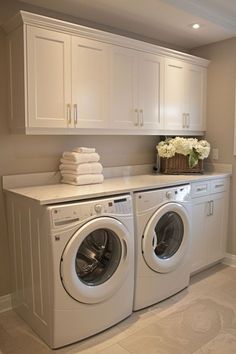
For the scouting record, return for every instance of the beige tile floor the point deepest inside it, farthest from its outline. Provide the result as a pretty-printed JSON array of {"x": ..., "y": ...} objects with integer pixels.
[{"x": 200, "y": 319}]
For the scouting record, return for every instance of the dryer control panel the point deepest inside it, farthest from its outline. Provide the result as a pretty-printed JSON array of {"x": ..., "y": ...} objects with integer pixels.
[
  {"x": 66, "y": 214},
  {"x": 149, "y": 199}
]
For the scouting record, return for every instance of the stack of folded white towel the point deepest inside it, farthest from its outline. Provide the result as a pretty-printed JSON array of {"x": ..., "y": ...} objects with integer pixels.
[{"x": 81, "y": 166}]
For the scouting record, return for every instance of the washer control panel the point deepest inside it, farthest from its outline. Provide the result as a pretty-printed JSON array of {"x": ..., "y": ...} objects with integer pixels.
[{"x": 66, "y": 214}]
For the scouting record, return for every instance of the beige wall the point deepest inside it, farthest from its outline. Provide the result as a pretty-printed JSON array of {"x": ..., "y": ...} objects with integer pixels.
[
  {"x": 24, "y": 154},
  {"x": 220, "y": 112}
]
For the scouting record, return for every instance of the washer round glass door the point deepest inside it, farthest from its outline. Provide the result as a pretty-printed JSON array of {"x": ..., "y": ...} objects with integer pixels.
[
  {"x": 95, "y": 261},
  {"x": 166, "y": 238}
]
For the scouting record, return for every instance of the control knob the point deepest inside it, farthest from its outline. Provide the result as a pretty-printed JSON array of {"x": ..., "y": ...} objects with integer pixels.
[
  {"x": 168, "y": 194},
  {"x": 98, "y": 208}
]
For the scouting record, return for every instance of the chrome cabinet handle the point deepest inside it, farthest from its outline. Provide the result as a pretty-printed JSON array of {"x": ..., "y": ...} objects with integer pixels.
[
  {"x": 219, "y": 185},
  {"x": 187, "y": 120},
  {"x": 200, "y": 189},
  {"x": 211, "y": 207},
  {"x": 137, "y": 117},
  {"x": 184, "y": 120},
  {"x": 141, "y": 115},
  {"x": 69, "y": 114},
  {"x": 75, "y": 114}
]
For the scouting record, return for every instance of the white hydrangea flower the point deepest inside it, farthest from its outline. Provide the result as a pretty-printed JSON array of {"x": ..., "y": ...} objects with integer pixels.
[
  {"x": 166, "y": 149},
  {"x": 183, "y": 146},
  {"x": 203, "y": 149}
]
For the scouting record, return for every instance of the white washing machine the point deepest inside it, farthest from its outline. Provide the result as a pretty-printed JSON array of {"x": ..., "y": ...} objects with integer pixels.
[
  {"x": 162, "y": 238},
  {"x": 74, "y": 265},
  {"x": 93, "y": 267}
]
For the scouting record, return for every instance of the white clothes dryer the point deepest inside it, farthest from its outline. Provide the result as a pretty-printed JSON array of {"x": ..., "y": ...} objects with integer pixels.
[{"x": 163, "y": 232}]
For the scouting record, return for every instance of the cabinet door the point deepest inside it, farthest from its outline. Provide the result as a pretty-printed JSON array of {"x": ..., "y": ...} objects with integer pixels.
[
  {"x": 175, "y": 81},
  {"x": 150, "y": 91},
  {"x": 200, "y": 211},
  {"x": 124, "y": 112},
  {"x": 216, "y": 228},
  {"x": 49, "y": 77},
  {"x": 195, "y": 97},
  {"x": 89, "y": 83}
]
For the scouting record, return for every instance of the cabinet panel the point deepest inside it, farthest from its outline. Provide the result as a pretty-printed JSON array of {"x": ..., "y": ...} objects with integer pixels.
[
  {"x": 199, "y": 233},
  {"x": 195, "y": 93},
  {"x": 150, "y": 86},
  {"x": 200, "y": 189},
  {"x": 89, "y": 83},
  {"x": 49, "y": 77},
  {"x": 123, "y": 81},
  {"x": 216, "y": 228},
  {"x": 174, "y": 94}
]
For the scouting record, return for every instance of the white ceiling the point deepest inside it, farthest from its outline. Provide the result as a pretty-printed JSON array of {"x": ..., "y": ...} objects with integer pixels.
[{"x": 161, "y": 20}]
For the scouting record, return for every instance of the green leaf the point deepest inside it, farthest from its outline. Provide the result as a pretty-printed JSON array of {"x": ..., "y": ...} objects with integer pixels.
[{"x": 193, "y": 159}]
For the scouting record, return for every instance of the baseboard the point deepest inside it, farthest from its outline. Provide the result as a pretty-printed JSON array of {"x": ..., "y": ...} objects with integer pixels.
[
  {"x": 230, "y": 259},
  {"x": 5, "y": 303}
]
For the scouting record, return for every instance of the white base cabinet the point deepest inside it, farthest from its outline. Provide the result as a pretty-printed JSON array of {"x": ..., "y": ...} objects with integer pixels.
[{"x": 210, "y": 201}]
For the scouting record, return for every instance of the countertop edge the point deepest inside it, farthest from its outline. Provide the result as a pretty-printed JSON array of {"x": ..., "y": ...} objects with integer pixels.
[{"x": 110, "y": 186}]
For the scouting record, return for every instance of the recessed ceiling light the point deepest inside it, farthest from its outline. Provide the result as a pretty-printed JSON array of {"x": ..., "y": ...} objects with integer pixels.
[{"x": 195, "y": 26}]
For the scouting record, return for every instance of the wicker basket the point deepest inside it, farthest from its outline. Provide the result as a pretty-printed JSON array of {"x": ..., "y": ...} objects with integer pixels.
[{"x": 179, "y": 164}]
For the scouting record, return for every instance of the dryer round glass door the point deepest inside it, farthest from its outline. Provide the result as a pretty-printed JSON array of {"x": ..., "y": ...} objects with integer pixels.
[
  {"x": 166, "y": 238},
  {"x": 96, "y": 260}
]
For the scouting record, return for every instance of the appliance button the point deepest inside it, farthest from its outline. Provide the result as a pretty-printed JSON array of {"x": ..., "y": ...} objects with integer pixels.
[{"x": 98, "y": 208}]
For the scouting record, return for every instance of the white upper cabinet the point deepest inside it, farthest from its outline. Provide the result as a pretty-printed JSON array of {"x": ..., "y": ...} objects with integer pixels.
[
  {"x": 48, "y": 78},
  {"x": 136, "y": 89},
  {"x": 150, "y": 90},
  {"x": 174, "y": 94},
  {"x": 185, "y": 90},
  {"x": 89, "y": 83},
  {"x": 123, "y": 88},
  {"x": 195, "y": 97},
  {"x": 70, "y": 79}
]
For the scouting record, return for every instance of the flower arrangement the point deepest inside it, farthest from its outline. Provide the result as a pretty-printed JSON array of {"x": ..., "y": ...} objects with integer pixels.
[{"x": 193, "y": 148}]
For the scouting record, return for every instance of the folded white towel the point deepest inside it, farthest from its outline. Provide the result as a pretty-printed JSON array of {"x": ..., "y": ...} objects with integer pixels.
[
  {"x": 81, "y": 169},
  {"x": 77, "y": 157},
  {"x": 84, "y": 150},
  {"x": 82, "y": 179}
]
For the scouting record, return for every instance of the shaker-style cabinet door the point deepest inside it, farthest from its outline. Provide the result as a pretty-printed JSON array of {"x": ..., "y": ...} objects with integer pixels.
[
  {"x": 150, "y": 90},
  {"x": 216, "y": 227},
  {"x": 175, "y": 98},
  {"x": 124, "y": 110},
  {"x": 48, "y": 78},
  {"x": 90, "y": 62},
  {"x": 195, "y": 97},
  {"x": 199, "y": 252}
]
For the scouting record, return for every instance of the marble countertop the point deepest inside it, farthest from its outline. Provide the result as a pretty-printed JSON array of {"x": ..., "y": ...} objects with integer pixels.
[{"x": 57, "y": 193}]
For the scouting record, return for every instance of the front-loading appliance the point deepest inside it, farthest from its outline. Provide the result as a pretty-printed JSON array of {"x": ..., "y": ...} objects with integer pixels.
[
  {"x": 163, "y": 232},
  {"x": 74, "y": 266}
]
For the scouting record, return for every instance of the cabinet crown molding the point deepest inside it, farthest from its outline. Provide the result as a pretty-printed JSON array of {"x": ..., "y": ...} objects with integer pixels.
[{"x": 26, "y": 18}]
